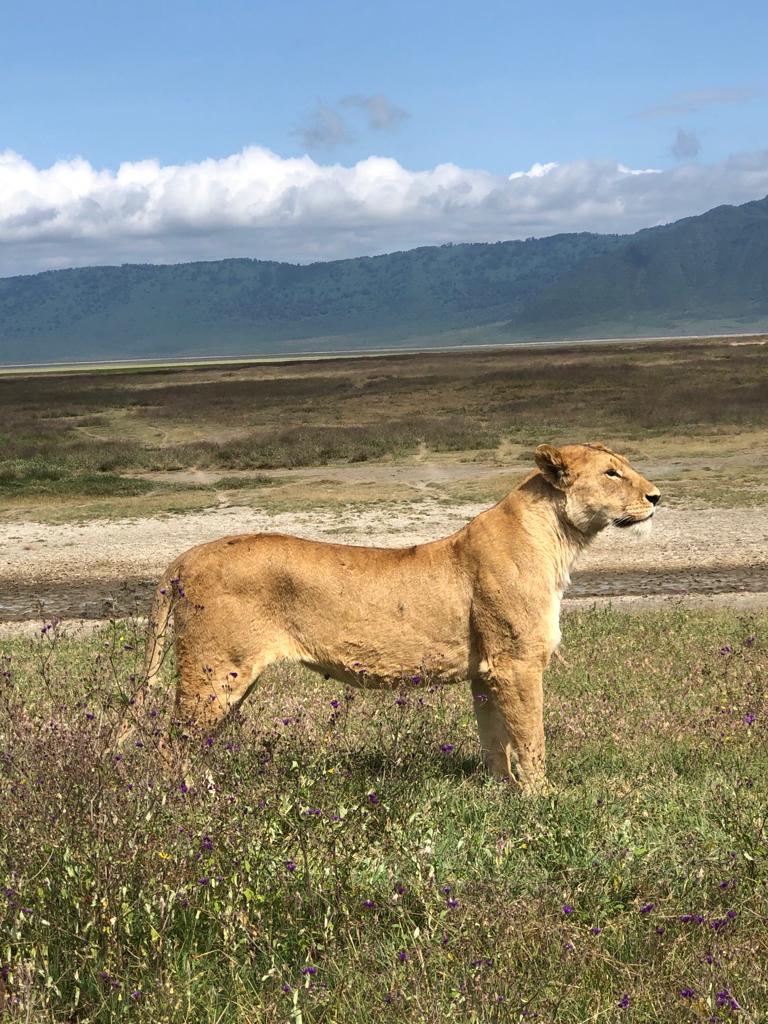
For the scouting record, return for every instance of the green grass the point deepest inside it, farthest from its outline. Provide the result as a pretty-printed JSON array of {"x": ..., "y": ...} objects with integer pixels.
[
  {"x": 444, "y": 897},
  {"x": 48, "y": 483},
  {"x": 37, "y": 478}
]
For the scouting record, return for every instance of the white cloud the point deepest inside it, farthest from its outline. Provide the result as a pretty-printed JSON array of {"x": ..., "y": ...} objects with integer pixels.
[
  {"x": 258, "y": 204},
  {"x": 536, "y": 171}
]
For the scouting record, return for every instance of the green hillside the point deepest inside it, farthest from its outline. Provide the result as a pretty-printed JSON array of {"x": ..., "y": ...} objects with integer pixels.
[{"x": 703, "y": 273}]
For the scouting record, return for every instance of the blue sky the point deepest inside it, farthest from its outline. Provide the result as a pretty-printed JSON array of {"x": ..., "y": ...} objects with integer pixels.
[{"x": 489, "y": 87}]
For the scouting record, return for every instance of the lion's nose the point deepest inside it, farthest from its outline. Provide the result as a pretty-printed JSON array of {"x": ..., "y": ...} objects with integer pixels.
[{"x": 654, "y": 498}]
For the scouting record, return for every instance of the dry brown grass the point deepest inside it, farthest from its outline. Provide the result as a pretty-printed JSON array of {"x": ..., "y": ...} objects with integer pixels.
[{"x": 688, "y": 405}]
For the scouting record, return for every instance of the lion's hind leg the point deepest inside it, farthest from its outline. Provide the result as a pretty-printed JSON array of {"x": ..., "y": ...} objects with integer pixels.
[
  {"x": 204, "y": 700},
  {"x": 206, "y": 697}
]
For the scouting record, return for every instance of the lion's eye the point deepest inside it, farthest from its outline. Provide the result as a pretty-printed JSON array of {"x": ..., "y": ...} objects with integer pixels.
[{"x": 613, "y": 472}]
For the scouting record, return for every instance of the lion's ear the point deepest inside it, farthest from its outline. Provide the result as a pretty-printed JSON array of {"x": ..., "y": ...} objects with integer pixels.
[{"x": 552, "y": 464}]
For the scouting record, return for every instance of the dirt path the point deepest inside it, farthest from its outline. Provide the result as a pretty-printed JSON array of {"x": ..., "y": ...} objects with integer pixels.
[{"x": 76, "y": 570}]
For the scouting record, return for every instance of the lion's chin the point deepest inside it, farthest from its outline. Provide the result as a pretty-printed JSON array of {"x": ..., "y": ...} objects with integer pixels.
[{"x": 635, "y": 527}]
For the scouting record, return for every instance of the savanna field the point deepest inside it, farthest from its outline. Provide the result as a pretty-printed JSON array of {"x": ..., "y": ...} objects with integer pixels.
[
  {"x": 341, "y": 857},
  {"x": 338, "y": 857}
]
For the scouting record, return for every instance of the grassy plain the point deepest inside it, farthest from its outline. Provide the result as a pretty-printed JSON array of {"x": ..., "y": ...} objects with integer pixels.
[
  {"x": 340, "y": 857},
  {"x": 134, "y": 441}
]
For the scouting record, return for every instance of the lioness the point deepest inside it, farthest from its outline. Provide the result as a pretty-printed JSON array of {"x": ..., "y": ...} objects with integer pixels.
[{"x": 482, "y": 605}]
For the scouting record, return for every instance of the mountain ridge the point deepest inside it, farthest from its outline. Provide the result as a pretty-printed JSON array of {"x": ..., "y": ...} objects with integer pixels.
[{"x": 699, "y": 274}]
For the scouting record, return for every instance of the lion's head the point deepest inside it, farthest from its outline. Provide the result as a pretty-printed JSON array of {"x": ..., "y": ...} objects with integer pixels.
[{"x": 599, "y": 487}]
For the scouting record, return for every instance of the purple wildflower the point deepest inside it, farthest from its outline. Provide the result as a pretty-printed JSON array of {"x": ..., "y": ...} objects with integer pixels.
[
  {"x": 623, "y": 1003},
  {"x": 290, "y": 865},
  {"x": 725, "y": 999},
  {"x": 374, "y": 798},
  {"x": 726, "y": 649},
  {"x": 687, "y": 993},
  {"x": 369, "y": 904},
  {"x": 402, "y": 956},
  {"x": 447, "y": 748},
  {"x": 334, "y": 703},
  {"x": 308, "y": 970},
  {"x": 567, "y": 909},
  {"x": 647, "y": 908},
  {"x": 749, "y": 718},
  {"x": 595, "y": 929}
]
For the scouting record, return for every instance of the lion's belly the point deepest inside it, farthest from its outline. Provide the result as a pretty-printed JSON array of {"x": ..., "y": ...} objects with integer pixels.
[
  {"x": 390, "y": 666},
  {"x": 390, "y": 652},
  {"x": 373, "y": 625}
]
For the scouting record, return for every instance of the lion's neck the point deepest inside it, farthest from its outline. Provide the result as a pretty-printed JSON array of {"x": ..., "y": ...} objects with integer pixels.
[{"x": 555, "y": 543}]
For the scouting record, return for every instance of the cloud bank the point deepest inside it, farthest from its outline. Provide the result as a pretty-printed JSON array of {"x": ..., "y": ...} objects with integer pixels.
[{"x": 256, "y": 203}]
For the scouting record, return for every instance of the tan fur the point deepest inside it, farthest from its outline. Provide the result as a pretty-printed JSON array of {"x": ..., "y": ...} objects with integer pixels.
[{"x": 481, "y": 605}]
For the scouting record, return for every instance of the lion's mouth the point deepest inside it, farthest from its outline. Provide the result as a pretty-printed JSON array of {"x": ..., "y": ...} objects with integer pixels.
[{"x": 632, "y": 520}]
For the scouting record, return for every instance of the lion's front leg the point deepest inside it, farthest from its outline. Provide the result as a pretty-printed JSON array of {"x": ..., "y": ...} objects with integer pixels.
[
  {"x": 495, "y": 741},
  {"x": 509, "y": 705}
]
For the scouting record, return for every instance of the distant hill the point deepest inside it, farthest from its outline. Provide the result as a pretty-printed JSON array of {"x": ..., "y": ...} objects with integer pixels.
[{"x": 705, "y": 273}]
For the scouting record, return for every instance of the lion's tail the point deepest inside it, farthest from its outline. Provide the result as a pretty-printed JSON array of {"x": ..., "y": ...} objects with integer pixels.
[{"x": 157, "y": 633}]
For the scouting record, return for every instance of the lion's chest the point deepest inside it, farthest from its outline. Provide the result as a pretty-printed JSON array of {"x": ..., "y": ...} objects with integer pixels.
[{"x": 551, "y": 624}]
